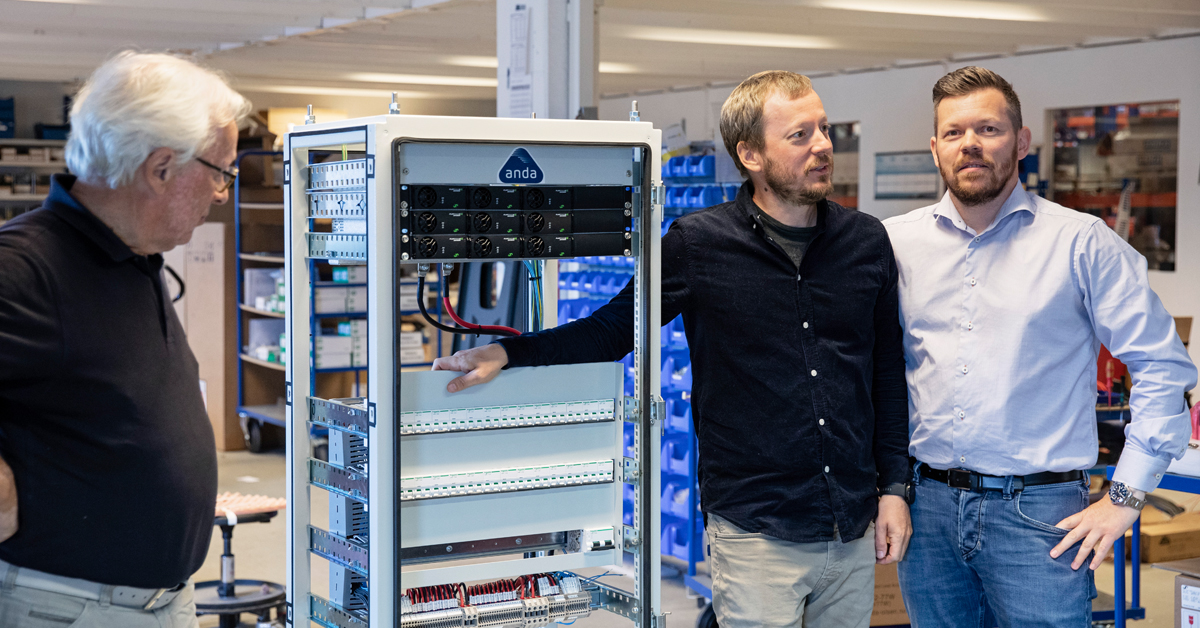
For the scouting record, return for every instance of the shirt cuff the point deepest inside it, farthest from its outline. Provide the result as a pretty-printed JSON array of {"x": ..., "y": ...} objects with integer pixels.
[
  {"x": 519, "y": 351},
  {"x": 1140, "y": 470}
]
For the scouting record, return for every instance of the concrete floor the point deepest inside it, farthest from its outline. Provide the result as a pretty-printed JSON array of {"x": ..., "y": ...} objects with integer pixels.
[{"x": 260, "y": 547}]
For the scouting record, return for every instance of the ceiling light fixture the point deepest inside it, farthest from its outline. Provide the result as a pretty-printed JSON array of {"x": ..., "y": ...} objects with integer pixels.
[
  {"x": 469, "y": 61},
  {"x": 969, "y": 9},
  {"x": 721, "y": 37},
  {"x": 332, "y": 91},
  {"x": 612, "y": 67},
  {"x": 421, "y": 79}
]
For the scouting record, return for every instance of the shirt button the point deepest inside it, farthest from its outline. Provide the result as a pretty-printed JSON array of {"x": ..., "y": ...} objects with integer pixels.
[
  {"x": 962, "y": 459},
  {"x": 821, "y": 422},
  {"x": 962, "y": 415},
  {"x": 964, "y": 370},
  {"x": 972, "y": 281},
  {"x": 976, "y": 239},
  {"x": 970, "y": 327},
  {"x": 806, "y": 324},
  {"x": 826, "y": 469},
  {"x": 813, "y": 373},
  {"x": 798, "y": 277}
]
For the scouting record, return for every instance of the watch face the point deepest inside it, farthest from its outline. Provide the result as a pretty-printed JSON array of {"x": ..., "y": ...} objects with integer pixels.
[{"x": 1118, "y": 493}]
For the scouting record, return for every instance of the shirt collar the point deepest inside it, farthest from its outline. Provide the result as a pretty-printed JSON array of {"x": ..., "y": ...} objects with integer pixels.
[
  {"x": 71, "y": 210},
  {"x": 1018, "y": 200},
  {"x": 745, "y": 202}
]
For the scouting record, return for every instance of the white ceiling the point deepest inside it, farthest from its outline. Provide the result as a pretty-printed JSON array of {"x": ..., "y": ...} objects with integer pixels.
[{"x": 446, "y": 50}]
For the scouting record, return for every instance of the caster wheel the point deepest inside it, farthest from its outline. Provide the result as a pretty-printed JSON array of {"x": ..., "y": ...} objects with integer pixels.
[
  {"x": 707, "y": 619},
  {"x": 254, "y": 435}
]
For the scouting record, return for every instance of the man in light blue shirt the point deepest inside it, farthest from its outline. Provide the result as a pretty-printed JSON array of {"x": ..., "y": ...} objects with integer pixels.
[{"x": 1005, "y": 299}]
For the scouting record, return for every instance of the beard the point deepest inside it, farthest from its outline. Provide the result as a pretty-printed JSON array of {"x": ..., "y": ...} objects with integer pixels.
[
  {"x": 977, "y": 188},
  {"x": 798, "y": 192}
]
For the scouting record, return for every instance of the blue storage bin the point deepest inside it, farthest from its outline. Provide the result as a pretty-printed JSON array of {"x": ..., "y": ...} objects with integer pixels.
[
  {"x": 677, "y": 196},
  {"x": 731, "y": 192},
  {"x": 712, "y": 195},
  {"x": 702, "y": 166},
  {"x": 680, "y": 376},
  {"x": 695, "y": 197},
  {"x": 677, "y": 457},
  {"x": 679, "y": 166},
  {"x": 676, "y": 541},
  {"x": 675, "y": 500},
  {"x": 679, "y": 416},
  {"x": 674, "y": 330}
]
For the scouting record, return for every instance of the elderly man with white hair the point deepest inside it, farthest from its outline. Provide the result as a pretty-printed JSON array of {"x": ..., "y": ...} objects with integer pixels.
[{"x": 107, "y": 497}]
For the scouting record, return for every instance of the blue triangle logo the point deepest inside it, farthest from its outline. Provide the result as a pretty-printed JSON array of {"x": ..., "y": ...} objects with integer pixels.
[{"x": 520, "y": 168}]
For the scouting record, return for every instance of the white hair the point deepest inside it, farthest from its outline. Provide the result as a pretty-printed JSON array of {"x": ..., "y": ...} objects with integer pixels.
[{"x": 136, "y": 103}]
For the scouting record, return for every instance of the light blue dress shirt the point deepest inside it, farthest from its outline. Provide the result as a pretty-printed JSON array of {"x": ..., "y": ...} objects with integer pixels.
[{"x": 1001, "y": 334}]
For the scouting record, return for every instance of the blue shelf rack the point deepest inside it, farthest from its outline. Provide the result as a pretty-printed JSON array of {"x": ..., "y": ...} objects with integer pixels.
[{"x": 587, "y": 283}]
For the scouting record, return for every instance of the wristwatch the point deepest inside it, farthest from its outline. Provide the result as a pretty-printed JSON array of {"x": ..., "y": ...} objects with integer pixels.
[
  {"x": 902, "y": 490},
  {"x": 1122, "y": 495}
]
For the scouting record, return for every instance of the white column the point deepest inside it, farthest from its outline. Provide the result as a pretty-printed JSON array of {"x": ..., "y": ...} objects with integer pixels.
[{"x": 546, "y": 57}]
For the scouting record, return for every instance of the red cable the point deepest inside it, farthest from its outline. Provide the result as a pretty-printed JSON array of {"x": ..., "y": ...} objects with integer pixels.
[{"x": 485, "y": 329}]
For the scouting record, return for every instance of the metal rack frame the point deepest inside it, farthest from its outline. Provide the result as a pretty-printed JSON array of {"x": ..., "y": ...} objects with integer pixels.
[{"x": 374, "y": 137}]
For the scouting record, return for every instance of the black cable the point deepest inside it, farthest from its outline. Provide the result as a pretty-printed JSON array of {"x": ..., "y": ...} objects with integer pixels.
[
  {"x": 182, "y": 288},
  {"x": 421, "y": 304}
]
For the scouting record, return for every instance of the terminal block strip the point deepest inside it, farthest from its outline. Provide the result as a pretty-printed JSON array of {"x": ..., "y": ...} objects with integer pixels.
[
  {"x": 501, "y": 417},
  {"x": 347, "y": 415},
  {"x": 506, "y": 480},
  {"x": 337, "y": 480},
  {"x": 525, "y": 613},
  {"x": 335, "y": 548}
]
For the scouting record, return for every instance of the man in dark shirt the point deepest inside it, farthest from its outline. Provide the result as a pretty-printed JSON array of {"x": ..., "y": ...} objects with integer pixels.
[
  {"x": 801, "y": 409},
  {"x": 101, "y": 416}
]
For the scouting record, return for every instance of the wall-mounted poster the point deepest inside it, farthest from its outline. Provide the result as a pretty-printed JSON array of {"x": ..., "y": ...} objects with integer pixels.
[{"x": 906, "y": 175}]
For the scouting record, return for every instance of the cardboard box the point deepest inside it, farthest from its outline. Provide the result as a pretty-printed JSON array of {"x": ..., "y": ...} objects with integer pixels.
[
  {"x": 356, "y": 299},
  {"x": 889, "y": 605},
  {"x": 1187, "y": 601},
  {"x": 329, "y": 300},
  {"x": 1177, "y": 539}
]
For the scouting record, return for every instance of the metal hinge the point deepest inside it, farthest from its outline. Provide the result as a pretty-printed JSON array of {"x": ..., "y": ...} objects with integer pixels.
[
  {"x": 288, "y": 388},
  {"x": 658, "y": 411},
  {"x": 632, "y": 473},
  {"x": 370, "y": 166},
  {"x": 658, "y": 195}
]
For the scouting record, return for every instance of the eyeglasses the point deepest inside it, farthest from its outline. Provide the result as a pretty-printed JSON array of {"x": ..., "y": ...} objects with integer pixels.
[{"x": 229, "y": 176}]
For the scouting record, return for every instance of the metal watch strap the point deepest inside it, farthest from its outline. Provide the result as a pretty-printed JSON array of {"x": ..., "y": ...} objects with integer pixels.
[{"x": 1122, "y": 495}]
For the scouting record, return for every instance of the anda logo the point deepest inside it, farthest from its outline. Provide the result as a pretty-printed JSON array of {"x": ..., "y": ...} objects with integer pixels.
[{"x": 520, "y": 168}]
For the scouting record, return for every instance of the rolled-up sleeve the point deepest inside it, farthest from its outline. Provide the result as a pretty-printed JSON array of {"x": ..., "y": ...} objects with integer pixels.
[{"x": 1131, "y": 321}]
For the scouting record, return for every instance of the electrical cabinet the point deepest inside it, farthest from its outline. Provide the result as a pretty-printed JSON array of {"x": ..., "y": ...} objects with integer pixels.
[{"x": 474, "y": 508}]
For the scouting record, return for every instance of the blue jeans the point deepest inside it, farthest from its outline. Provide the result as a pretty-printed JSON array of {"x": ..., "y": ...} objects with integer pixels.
[{"x": 974, "y": 547}]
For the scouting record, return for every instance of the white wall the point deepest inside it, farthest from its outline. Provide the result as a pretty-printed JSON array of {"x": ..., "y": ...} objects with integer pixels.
[{"x": 896, "y": 112}]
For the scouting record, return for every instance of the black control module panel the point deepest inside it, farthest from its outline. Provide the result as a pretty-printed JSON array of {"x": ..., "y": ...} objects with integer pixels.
[{"x": 507, "y": 222}]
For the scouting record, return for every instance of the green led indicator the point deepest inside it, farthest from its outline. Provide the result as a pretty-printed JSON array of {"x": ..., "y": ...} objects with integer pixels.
[{"x": 456, "y": 254}]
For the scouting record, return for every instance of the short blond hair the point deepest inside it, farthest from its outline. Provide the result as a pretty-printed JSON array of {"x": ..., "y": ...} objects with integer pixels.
[{"x": 741, "y": 115}]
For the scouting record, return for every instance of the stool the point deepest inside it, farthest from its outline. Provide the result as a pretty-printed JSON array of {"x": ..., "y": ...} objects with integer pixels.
[{"x": 229, "y": 597}]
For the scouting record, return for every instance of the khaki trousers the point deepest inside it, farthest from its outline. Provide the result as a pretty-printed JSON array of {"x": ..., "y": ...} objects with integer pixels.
[{"x": 762, "y": 581}]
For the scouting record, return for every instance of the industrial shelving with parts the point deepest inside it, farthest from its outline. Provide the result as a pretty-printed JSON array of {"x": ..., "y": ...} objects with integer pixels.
[
  {"x": 478, "y": 507},
  {"x": 25, "y": 169}
]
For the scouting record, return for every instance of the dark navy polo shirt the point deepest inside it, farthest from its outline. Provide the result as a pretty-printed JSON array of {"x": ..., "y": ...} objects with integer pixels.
[{"x": 101, "y": 416}]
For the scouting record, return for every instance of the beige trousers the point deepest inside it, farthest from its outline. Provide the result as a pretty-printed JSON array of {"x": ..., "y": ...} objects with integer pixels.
[
  {"x": 762, "y": 581},
  {"x": 21, "y": 607}
]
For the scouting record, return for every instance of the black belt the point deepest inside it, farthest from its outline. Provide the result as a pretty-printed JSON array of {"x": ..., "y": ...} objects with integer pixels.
[{"x": 971, "y": 481}]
